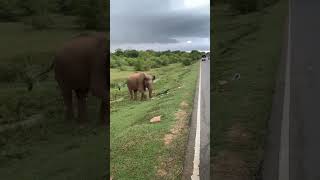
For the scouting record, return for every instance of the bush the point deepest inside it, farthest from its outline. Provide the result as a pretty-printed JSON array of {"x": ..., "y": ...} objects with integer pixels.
[
  {"x": 247, "y": 6},
  {"x": 195, "y": 55},
  {"x": 116, "y": 62},
  {"x": 9, "y": 72},
  {"x": 119, "y": 52},
  {"x": 130, "y": 61},
  {"x": 155, "y": 65},
  {"x": 113, "y": 63},
  {"x": 67, "y": 7},
  {"x": 186, "y": 61},
  {"x": 92, "y": 14},
  {"x": 164, "y": 60},
  {"x": 244, "y": 6},
  {"x": 41, "y": 22},
  {"x": 123, "y": 68},
  {"x": 131, "y": 53},
  {"x": 142, "y": 65},
  {"x": 174, "y": 58},
  {"x": 37, "y": 7},
  {"x": 121, "y": 62},
  {"x": 268, "y": 2},
  {"x": 155, "y": 62},
  {"x": 8, "y": 10}
]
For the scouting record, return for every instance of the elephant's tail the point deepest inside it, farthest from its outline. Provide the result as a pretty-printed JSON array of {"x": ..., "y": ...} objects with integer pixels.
[
  {"x": 122, "y": 85},
  {"x": 30, "y": 83}
]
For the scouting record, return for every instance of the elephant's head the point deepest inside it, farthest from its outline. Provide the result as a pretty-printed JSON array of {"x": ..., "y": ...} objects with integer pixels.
[{"x": 148, "y": 83}]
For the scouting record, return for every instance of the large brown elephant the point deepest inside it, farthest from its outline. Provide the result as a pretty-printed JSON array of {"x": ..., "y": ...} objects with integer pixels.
[
  {"x": 81, "y": 67},
  {"x": 140, "y": 82}
]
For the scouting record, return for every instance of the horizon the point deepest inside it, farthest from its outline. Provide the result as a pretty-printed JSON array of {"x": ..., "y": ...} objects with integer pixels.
[{"x": 113, "y": 51}]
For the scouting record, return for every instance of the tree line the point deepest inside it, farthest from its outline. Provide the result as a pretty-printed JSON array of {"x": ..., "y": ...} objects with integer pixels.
[
  {"x": 144, "y": 60},
  {"x": 245, "y": 6},
  {"x": 91, "y": 14}
]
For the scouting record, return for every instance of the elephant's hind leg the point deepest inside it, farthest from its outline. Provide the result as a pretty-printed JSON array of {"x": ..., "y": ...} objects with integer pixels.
[
  {"x": 131, "y": 94},
  {"x": 135, "y": 94},
  {"x": 142, "y": 95},
  {"x": 82, "y": 106},
  {"x": 67, "y": 98}
]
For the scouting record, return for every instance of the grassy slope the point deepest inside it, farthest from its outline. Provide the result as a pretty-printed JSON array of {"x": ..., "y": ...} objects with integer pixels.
[
  {"x": 53, "y": 149},
  {"x": 137, "y": 146},
  {"x": 249, "y": 45}
]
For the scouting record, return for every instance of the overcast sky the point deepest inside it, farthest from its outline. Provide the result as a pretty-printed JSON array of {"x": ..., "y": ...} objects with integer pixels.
[{"x": 160, "y": 24}]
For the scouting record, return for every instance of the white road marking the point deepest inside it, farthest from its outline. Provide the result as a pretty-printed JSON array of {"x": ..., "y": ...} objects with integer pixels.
[
  {"x": 284, "y": 146},
  {"x": 196, "y": 157}
]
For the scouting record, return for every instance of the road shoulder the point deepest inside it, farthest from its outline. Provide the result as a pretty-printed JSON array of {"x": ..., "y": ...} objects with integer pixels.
[
  {"x": 271, "y": 157},
  {"x": 188, "y": 162}
]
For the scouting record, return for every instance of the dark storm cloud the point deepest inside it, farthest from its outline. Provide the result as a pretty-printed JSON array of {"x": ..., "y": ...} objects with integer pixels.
[
  {"x": 134, "y": 7},
  {"x": 153, "y": 21},
  {"x": 162, "y": 29}
]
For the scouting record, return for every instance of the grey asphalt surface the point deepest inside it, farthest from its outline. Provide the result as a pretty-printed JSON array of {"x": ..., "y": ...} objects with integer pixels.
[
  {"x": 205, "y": 121},
  {"x": 304, "y": 115},
  {"x": 204, "y": 125},
  {"x": 305, "y": 88}
]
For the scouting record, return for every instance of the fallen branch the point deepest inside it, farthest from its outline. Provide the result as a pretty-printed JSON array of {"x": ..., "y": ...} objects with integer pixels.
[{"x": 163, "y": 92}]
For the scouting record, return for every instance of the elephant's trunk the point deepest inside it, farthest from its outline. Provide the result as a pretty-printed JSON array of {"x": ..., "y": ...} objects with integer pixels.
[{"x": 150, "y": 93}]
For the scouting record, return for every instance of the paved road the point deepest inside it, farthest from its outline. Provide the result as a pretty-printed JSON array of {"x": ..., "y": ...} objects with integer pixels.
[
  {"x": 204, "y": 123},
  {"x": 305, "y": 88},
  {"x": 302, "y": 98}
]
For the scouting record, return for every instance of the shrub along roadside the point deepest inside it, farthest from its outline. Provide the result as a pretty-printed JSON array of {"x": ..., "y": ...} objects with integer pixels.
[
  {"x": 145, "y": 60},
  {"x": 246, "y": 6}
]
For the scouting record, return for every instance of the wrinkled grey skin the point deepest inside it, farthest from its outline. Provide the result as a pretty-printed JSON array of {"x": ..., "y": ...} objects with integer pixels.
[
  {"x": 140, "y": 82},
  {"x": 80, "y": 67}
]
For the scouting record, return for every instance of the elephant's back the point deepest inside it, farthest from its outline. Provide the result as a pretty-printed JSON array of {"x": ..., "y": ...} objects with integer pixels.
[
  {"x": 81, "y": 64},
  {"x": 79, "y": 45},
  {"x": 135, "y": 81},
  {"x": 73, "y": 62}
]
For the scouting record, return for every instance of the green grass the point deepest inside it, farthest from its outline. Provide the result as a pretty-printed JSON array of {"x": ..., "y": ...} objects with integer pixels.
[
  {"x": 57, "y": 152},
  {"x": 250, "y": 45},
  {"x": 118, "y": 75},
  {"x": 52, "y": 148},
  {"x": 137, "y": 146},
  {"x": 23, "y": 40}
]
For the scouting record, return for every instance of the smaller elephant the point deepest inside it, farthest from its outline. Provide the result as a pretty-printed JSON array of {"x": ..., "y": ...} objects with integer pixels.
[{"x": 140, "y": 81}]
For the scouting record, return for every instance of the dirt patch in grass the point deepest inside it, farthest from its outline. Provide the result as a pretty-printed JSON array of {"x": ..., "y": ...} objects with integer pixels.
[
  {"x": 168, "y": 138},
  {"x": 181, "y": 116},
  {"x": 184, "y": 105},
  {"x": 229, "y": 166},
  {"x": 173, "y": 139},
  {"x": 180, "y": 124},
  {"x": 238, "y": 135},
  {"x": 166, "y": 169},
  {"x": 161, "y": 173}
]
